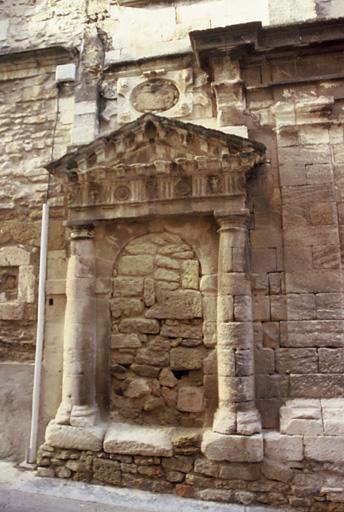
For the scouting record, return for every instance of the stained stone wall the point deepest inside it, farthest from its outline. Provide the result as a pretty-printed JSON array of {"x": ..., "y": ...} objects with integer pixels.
[{"x": 157, "y": 350}]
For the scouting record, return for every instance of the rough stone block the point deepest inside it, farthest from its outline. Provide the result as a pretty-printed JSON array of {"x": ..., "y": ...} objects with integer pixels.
[
  {"x": 136, "y": 265},
  {"x": 313, "y": 281},
  {"x": 235, "y": 283},
  {"x": 142, "y": 325},
  {"x": 14, "y": 257},
  {"x": 275, "y": 470},
  {"x": 75, "y": 438},
  {"x": 125, "y": 341},
  {"x": 278, "y": 307},
  {"x": 190, "y": 399},
  {"x": 333, "y": 421},
  {"x": 301, "y": 417},
  {"x": 190, "y": 274},
  {"x": 264, "y": 361},
  {"x": 261, "y": 308},
  {"x": 272, "y": 386},
  {"x": 239, "y": 471},
  {"x": 242, "y": 308},
  {"x": 175, "y": 329},
  {"x": 316, "y": 385},
  {"x": 264, "y": 260},
  {"x": 283, "y": 447},
  {"x": 232, "y": 448},
  {"x": 127, "y": 286},
  {"x": 181, "y": 304},
  {"x": 184, "y": 358},
  {"x": 324, "y": 448},
  {"x": 301, "y": 307},
  {"x": 312, "y": 333},
  {"x": 296, "y": 360},
  {"x": 138, "y": 440},
  {"x": 149, "y": 292},
  {"x": 331, "y": 360},
  {"x": 329, "y": 306},
  {"x": 107, "y": 471}
]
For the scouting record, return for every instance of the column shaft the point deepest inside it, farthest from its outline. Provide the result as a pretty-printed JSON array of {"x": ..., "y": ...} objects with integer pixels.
[
  {"x": 78, "y": 407},
  {"x": 235, "y": 351}
]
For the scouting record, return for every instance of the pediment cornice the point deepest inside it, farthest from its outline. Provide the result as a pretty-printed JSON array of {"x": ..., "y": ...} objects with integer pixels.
[{"x": 156, "y": 159}]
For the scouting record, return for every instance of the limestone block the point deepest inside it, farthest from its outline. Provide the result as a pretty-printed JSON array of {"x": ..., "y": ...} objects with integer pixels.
[
  {"x": 142, "y": 325},
  {"x": 14, "y": 257},
  {"x": 312, "y": 333},
  {"x": 239, "y": 471},
  {"x": 324, "y": 448},
  {"x": 235, "y": 334},
  {"x": 144, "y": 370},
  {"x": 150, "y": 357},
  {"x": 313, "y": 281},
  {"x": 209, "y": 333},
  {"x": 175, "y": 329},
  {"x": 11, "y": 311},
  {"x": 137, "y": 388},
  {"x": 275, "y": 470},
  {"x": 190, "y": 399},
  {"x": 331, "y": 360},
  {"x": 181, "y": 304},
  {"x": 210, "y": 306},
  {"x": 234, "y": 283},
  {"x": 127, "y": 286},
  {"x": 149, "y": 292},
  {"x": 77, "y": 438},
  {"x": 166, "y": 262},
  {"x": 166, "y": 275},
  {"x": 329, "y": 306},
  {"x": 296, "y": 360},
  {"x": 166, "y": 378},
  {"x": 332, "y": 411},
  {"x": 301, "y": 306},
  {"x": 190, "y": 274},
  {"x": 264, "y": 361},
  {"x": 261, "y": 308},
  {"x": 301, "y": 416},
  {"x": 225, "y": 309},
  {"x": 316, "y": 385},
  {"x": 283, "y": 447},
  {"x": 185, "y": 358},
  {"x": 208, "y": 283},
  {"x": 232, "y": 448},
  {"x": 136, "y": 265},
  {"x": 242, "y": 308},
  {"x": 125, "y": 341},
  {"x": 138, "y": 440},
  {"x": 107, "y": 471},
  {"x": 26, "y": 284}
]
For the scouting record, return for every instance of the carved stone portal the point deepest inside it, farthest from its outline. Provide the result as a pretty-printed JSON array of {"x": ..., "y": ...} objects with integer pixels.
[{"x": 172, "y": 333}]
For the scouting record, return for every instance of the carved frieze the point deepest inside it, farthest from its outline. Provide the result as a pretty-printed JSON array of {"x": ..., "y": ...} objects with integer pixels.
[{"x": 155, "y": 95}]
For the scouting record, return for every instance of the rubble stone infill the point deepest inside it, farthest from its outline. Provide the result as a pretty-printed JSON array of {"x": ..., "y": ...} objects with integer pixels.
[{"x": 285, "y": 478}]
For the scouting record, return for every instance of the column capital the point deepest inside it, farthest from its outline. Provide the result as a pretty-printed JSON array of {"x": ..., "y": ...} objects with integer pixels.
[
  {"x": 81, "y": 231},
  {"x": 235, "y": 220}
]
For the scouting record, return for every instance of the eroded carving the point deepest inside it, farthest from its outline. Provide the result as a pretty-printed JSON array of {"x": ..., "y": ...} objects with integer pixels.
[{"x": 154, "y": 95}]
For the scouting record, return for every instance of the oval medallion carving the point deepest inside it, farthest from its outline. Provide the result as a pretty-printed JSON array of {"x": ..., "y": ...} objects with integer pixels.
[
  {"x": 155, "y": 95},
  {"x": 122, "y": 193}
]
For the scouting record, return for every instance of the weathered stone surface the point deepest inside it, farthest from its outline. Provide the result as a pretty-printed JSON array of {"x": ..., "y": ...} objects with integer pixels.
[
  {"x": 283, "y": 448},
  {"x": 190, "y": 274},
  {"x": 162, "y": 274},
  {"x": 107, "y": 471},
  {"x": 136, "y": 265},
  {"x": 316, "y": 385},
  {"x": 331, "y": 360},
  {"x": 239, "y": 471},
  {"x": 149, "y": 291},
  {"x": 181, "y": 304},
  {"x": 325, "y": 448},
  {"x": 232, "y": 448},
  {"x": 301, "y": 417},
  {"x": 166, "y": 378},
  {"x": 332, "y": 416},
  {"x": 184, "y": 358},
  {"x": 142, "y": 325},
  {"x": 138, "y": 440},
  {"x": 137, "y": 388},
  {"x": 125, "y": 341},
  {"x": 150, "y": 357},
  {"x": 181, "y": 330},
  {"x": 79, "y": 438},
  {"x": 316, "y": 333},
  {"x": 297, "y": 360},
  {"x": 145, "y": 370},
  {"x": 190, "y": 399},
  {"x": 274, "y": 470},
  {"x": 127, "y": 286}
]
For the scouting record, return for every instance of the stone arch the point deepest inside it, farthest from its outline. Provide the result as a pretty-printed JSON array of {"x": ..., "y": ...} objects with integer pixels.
[{"x": 157, "y": 345}]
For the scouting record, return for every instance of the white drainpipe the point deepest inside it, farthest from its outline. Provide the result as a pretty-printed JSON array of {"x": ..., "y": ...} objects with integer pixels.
[{"x": 32, "y": 449}]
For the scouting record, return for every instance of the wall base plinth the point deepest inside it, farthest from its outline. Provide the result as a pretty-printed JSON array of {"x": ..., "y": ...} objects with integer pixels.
[{"x": 78, "y": 438}]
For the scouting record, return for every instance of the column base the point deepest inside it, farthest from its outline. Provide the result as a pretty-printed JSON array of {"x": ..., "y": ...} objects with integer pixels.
[
  {"x": 84, "y": 416},
  {"x": 232, "y": 448},
  {"x": 227, "y": 421},
  {"x": 75, "y": 438}
]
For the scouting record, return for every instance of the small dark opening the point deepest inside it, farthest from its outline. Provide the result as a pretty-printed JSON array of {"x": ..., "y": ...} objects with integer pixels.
[
  {"x": 180, "y": 373},
  {"x": 51, "y": 302}
]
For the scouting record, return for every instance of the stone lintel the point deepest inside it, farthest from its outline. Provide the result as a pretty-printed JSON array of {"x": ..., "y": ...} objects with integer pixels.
[
  {"x": 129, "y": 439},
  {"x": 75, "y": 438},
  {"x": 232, "y": 448}
]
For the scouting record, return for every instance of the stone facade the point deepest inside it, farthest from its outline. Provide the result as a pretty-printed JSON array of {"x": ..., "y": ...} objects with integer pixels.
[{"x": 194, "y": 313}]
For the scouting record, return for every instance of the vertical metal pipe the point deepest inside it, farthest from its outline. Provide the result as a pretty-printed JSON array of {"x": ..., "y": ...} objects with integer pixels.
[{"x": 32, "y": 449}]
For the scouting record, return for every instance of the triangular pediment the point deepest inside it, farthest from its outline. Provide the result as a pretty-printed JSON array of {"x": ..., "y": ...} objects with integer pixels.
[{"x": 155, "y": 158}]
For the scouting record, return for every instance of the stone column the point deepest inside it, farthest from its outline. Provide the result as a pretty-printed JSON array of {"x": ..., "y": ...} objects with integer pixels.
[
  {"x": 78, "y": 407},
  {"x": 236, "y": 413}
]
